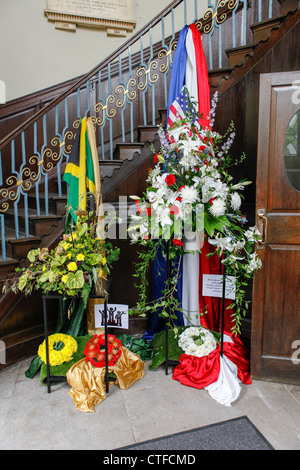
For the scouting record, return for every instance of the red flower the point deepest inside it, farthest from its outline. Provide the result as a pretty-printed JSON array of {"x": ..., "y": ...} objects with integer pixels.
[
  {"x": 148, "y": 210},
  {"x": 155, "y": 158},
  {"x": 181, "y": 187},
  {"x": 95, "y": 355},
  {"x": 170, "y": 180},
  {"x": 177, "y": 242},
  {"x": 174, "y": 209}
]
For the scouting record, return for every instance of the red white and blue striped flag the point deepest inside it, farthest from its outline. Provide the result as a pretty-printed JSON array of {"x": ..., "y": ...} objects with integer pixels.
[{"x": 178, "y": 108}]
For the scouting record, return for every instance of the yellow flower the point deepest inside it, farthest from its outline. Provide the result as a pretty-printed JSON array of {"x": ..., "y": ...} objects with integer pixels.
[
  {"x": 66, "y": 245},
  {"x": 44, "y": 267},
  {"x": 80, "y": 257},
  {"x": 64, "y": 278},
  {"x": 69, "y": 255},
  {"x": 101, "y": 273},
  {"x": 103, "y": 261},
  {"x": 72, "y": 266},
  {"x": 58, "y": 356}
]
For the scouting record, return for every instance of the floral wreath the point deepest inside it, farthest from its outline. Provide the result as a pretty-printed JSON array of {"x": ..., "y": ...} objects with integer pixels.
[
  {"x": 197, "y": 341},
  {"x": 95, "y": 350},
  {"x": 61, "y": 349}
]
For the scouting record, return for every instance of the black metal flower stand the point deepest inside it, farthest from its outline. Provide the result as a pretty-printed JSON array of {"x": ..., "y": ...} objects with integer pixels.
[{"x": 60, "y": 297}]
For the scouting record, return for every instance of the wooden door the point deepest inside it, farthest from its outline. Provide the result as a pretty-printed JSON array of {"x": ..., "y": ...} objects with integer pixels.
[{"x": 275, "y": 336}]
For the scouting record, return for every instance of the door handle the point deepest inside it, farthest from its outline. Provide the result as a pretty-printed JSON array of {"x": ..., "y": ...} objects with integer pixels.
[{"x": 262, "y": 225}]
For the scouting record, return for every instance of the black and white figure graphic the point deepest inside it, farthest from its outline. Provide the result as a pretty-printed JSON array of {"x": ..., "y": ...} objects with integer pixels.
[{"x": 117, "y": 316}]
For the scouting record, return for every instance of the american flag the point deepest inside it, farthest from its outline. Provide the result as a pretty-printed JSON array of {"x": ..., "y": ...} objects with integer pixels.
[{"x": 178, "y": 107}]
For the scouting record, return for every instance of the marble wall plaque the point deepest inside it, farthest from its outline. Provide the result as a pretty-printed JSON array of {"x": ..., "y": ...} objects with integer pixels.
[{"x": 112, "y": 14}]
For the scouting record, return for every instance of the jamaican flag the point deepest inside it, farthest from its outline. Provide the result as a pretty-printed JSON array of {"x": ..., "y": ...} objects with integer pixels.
[{"x": 82, "y": 170}]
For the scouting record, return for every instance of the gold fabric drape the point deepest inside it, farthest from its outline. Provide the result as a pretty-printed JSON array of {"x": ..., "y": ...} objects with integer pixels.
[
  {"x": 87, "y": 382},
  {"x": 90, "y": 316}
]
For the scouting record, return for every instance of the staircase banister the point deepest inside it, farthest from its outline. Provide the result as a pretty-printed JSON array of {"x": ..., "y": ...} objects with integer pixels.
[{"x": 83, "y": 79}]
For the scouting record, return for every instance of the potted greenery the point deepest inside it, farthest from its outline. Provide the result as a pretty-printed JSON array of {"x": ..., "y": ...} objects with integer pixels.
[{"x": 76, "y": 268}]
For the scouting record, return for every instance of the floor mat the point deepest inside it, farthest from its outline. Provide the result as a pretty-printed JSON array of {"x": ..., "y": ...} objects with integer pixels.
[{"x": 235, "y": 434}]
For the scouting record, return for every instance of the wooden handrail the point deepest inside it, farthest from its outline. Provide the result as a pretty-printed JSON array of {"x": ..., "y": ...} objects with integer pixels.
[{"x": 83, "y": 79}]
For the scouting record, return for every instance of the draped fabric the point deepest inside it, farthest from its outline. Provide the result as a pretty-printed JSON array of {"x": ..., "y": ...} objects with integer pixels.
[
  {"x": 155, "y": 323},
  {"x": 87, "y": 383},
  {"x": 219, "y": 374}
]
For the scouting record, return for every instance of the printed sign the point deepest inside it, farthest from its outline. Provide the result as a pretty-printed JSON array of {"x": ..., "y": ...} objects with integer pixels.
[
  {"x": 117, "y": 316},
  {"x": 212, "y": 286}
]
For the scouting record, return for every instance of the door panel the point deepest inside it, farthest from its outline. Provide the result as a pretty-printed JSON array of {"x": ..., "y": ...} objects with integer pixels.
[{"x": 276, "y": 290}]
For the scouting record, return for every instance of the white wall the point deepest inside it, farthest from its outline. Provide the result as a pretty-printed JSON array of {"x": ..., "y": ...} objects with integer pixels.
[{"x": 34, "y": 55}]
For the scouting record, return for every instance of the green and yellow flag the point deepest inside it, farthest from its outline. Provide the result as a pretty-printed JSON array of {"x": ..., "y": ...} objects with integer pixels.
[{"x": 82, "y": 170}]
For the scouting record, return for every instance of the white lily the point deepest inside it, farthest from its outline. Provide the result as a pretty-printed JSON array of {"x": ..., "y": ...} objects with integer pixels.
[{"x": 223, "y": 243}]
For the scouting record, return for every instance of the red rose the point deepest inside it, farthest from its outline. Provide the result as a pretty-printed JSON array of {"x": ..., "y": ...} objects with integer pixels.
[
  {"x": 148, "y": 210},
  {"x": 170, "y": 180},
  {"x": 177, "y": 242}
]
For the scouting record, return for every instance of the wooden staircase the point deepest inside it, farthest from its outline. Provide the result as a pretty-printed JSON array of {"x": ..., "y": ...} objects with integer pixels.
[{"x": 21, "y": 320}]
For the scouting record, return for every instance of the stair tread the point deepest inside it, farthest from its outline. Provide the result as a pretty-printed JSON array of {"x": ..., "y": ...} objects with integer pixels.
[
  {"x": 240, "y": 48},
  {"x": 220, "y": 70},
  {"x": 32, "y": 214},
  {"x": 10, "y": 234},
  {"x": 8, "y": 261},
  {"x": 267, "y": 21},
  {"x": 50, "y": 196}
]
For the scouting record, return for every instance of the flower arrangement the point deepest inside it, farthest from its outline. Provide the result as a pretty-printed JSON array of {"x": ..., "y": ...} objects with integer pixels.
[
  {"x": 61, "y": 349},
  {"x": 189, "y": 190},
  {"x": 95, "y": 350},
  {"x": 75, "y": 267},
  {"x": 197, "y": 341}
]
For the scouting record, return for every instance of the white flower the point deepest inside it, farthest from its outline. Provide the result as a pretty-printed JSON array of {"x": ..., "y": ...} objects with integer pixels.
[
  {"x": 197, "y": 341},
  {"x": 251, "y": 233},
  {"x": 162, "y": 215},
  {"x": 223, "y": 243},
  {"x": 188, "y": 161},
  {"x": 177, "y": 131},
  {"x": 254, "y": 263},
  {"x": 235, "y": 201},
  {"x": 189, "y": 145},
  {"x": 217, "y": 208},
  {"x": 189, "y": 195}
]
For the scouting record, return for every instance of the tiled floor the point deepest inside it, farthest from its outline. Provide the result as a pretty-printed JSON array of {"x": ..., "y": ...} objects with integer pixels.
[{"x": 155, "y": 406}]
